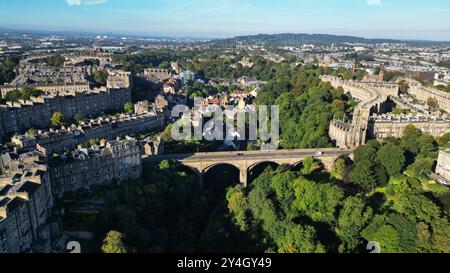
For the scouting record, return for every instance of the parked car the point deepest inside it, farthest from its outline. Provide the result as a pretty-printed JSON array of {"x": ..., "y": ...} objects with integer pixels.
[{"x": 443, "y": 182}]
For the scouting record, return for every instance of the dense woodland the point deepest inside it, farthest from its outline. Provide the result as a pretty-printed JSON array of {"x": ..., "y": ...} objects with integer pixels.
[{"x": 383, "y": 196}]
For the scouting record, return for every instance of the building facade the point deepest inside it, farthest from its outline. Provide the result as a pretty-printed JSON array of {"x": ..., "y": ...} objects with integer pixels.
[
  {"x": 37, "y": 112},
  {"x": 443, "y": 164},
  {"x": 372, "y": 97},
  {"x": 25, "y": 204},
  {"x": 385, "y": 126},
  {"x": 67, "y": 138},
  {"x": 157, "y": 74},
  {"x": 424, "y": 93},
  {"x": 50, "y": 89},
  {"x": 95, "y": 166}
]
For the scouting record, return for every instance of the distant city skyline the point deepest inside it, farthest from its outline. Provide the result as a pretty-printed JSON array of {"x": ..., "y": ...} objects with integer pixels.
[{"x": 395, "y": 19}]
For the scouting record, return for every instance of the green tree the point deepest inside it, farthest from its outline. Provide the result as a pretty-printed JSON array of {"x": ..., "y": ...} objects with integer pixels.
[
  {"x": 433, "y": 104},
  {"x": 310, "y": 165},
  {"x": 113, "y": 243},
  {"x": 365, "y": 152},
  {"x": 7, "y": 67},
  {"x": 58, "y": 120},
  {"x": 440, "y": 239},
  {"x": 283, "y": 185},
  {"x": 386, "y": 235},
  {"x": 56, "y": 61},
  {"x": 318, "y": 201},
  {"x": 100, "y": 77},
  {"x": 410, "y": 139},
  {"x": 444, "y": 141},
  {"x": 164, "y": 165},
  {"x": 338, "y": 93},
  {"x": 353, "y": 217},
  {"x": 339, "y": 167},
  {"x": 403, "y": 86},
  {"x": 363, "y": 175},
  {"x": 79, "y": 118},
  {"x": 300, "y": 239},
  {"x": 392, "y": 158},
  {"x": 238, "y": 207},
  {"x": 164, "y": 65},
  {"x": 421, "y": 167},
  {"x": 32, "y": 132},
  {"x": 128, "y": 107},
  {"x": 24, "y": 93},
  {"x": 427, "y": 144},
  {"x": 166, "y": 136}
]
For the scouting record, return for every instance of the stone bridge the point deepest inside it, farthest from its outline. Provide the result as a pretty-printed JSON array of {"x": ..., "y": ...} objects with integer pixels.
[{"x": 245, "y": 161}]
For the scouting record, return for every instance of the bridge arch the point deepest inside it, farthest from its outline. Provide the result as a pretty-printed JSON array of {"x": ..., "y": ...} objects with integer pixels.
[
  {"x": 208, "y": 168},
  {"x": 255, "y": 170},
  {"x": 297, "y": 165},
  {"x": 185, "y": 167},
  {"x": 218, "y": 177}
]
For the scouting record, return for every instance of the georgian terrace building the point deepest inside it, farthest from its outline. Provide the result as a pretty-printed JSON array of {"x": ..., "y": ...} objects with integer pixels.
[
  {"x": 443, "y": 164},
  {"x": 37, "y": 112},
  {"x": 424, "y": 93},
  {"x": 369, "y": 120},
  {"x": 25, "y": 203},
  {"x": 50, "y": 89},
  {"x": 372, "y": 97},
  {"x": 118, "y": 160},
  {"x": 157, "y": 74},
  {"x": 384, "y": 126},
  {"x": 30, "y": 181},
  {"x": 109, "y": 128}
]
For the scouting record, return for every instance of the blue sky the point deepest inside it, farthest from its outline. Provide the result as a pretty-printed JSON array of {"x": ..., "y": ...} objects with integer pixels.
[{"x": 405, "y": 19}]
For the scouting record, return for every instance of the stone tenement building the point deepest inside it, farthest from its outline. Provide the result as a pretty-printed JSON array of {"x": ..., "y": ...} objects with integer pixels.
[
  {"x": 37, "y": 112},
  {"x": 70, "y": 74},
  {"x": 25, "y": 204},
  {"x": 424, "y": 93},
  {"x": 443, "y": 164},
  {"x": 366, "y": 122},
  {"x": 65, "y": 139},
  {"x": 49, "y": 89},
  {"x": 30, "y": 181},
  {"x": 99, "y": 165},
  {"x": 118, "y": 79},
  {"x": 372, "y": 96},
  {"x": 386, "y": 126},
  {"x": 102, "y": 58},
  {"x": 157, "y": 74}
]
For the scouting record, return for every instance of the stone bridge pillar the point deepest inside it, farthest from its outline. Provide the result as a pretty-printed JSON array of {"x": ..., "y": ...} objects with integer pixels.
[
  {"x": 243, "y": 176},
  {"x": 200, "y": 180}
]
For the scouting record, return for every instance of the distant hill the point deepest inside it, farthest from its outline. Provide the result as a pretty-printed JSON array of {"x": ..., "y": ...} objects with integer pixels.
[{"x": 299, "y": 39}]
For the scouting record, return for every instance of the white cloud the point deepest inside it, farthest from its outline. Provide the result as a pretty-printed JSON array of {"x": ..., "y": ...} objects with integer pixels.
[
  {"x": 374, "y": 2},
  {"x": 85, "y": 2}
]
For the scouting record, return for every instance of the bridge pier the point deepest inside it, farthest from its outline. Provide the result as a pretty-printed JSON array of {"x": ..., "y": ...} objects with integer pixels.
[
  {"x": 201, "y": 180},
  {"x": 243, "y": 176}
]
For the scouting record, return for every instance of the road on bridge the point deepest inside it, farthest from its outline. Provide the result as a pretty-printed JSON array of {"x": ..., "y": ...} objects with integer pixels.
[{"x": 223, "y": 156}]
